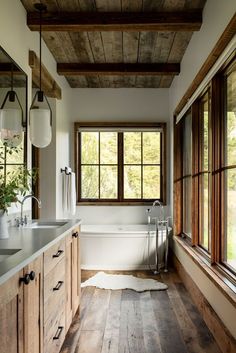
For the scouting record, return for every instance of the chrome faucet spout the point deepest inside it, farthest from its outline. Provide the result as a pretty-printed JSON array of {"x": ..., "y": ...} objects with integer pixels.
[
  {"x": 158, "y": 203},
  {"x": 22, "y": 204}
]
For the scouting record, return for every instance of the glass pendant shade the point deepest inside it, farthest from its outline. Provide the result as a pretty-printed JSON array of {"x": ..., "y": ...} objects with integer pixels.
[
  {"x": 11, "y": 121},
  {"x": 40, "y": 114},
  {"x": 40, "y": 127}
]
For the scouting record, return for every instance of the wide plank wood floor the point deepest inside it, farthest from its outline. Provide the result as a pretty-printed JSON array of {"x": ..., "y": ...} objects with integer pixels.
[{"x": 129, "y": 322}]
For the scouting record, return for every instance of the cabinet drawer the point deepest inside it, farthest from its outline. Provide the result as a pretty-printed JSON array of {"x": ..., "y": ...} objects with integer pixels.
[
  {"x": 53, "y": 255},
  {"x": 54, "y": 334},
  {"x": 54, "y": 290}
]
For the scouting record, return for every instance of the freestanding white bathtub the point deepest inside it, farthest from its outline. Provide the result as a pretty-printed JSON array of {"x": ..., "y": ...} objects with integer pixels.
[{"x": 118, "y": 247}]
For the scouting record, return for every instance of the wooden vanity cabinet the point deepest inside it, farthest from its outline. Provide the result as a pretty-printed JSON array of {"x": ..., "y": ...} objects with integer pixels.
[
  {"x": 54, "y": 297},
  {"x": 11, "y": 315},
  {"x": 33, "y": 307},
  {"x": 21, "y": 311},
  {"x": 38, "y": 303},
  {"x": 73, "y": 275}
]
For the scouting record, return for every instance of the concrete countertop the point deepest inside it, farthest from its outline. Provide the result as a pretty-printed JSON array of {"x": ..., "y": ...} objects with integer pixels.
[{"x": 31, "y": 242}]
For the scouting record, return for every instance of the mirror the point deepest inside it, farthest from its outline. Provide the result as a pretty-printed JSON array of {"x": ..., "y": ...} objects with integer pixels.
[{"x": 12, "y": 77}]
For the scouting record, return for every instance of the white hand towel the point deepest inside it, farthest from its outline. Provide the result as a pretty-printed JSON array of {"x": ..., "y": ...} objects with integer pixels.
[
  {"x": 73, "y": 194},
  {"x": 65, "y": 180}
]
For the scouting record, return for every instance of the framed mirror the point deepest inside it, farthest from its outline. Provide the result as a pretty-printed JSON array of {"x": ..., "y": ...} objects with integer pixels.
[{"x": 12, "y": 79}]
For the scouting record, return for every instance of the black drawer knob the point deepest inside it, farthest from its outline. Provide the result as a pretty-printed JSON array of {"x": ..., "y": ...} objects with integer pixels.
[
  {"x": 26, "y": 279},
  {"x": 75, "y": 235},
  {"x": 32, "y": 275}
]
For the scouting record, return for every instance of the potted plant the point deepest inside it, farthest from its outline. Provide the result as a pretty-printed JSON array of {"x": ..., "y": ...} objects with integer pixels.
[{"x": 13, "y": 185}]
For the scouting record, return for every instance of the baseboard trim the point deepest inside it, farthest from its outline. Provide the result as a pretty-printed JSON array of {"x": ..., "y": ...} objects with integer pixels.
[
  {"x": 115, "y": 267},
  {"x": 223, "y": 337}
]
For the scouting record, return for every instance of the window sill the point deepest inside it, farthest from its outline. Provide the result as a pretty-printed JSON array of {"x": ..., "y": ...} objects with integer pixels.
[
  {"x": 213, "y": 272},
  {"x": 115, "y": 203}
]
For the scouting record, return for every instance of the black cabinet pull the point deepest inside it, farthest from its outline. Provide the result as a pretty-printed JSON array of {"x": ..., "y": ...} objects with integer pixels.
[
  {"x": 58, "y": 253},
  {"x": 58, "y": 286},
  {"x": 26, "y": 279},
  {"x": 75, "y": 235},
  {"x": 32, "y": 275},
  {"x": 58, "y": 333}
]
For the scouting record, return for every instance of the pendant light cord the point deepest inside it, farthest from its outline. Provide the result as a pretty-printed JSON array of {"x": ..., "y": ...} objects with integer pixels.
[{"x": 40, "y": 49}]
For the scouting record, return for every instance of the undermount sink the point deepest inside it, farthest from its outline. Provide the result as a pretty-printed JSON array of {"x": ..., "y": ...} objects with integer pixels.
[
  {"x": 5, "y": 253},
  {"x": 44, "y": 225}
]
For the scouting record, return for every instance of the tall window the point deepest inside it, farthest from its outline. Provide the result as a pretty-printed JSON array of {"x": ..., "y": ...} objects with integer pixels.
[
  {"x": 205, "y": 152},
  {"x": 187, "y": 175},
  {"x": 204, "y": 173},
  {"x": 229, "y": 179},
  {"x": 120, "y": 164}
]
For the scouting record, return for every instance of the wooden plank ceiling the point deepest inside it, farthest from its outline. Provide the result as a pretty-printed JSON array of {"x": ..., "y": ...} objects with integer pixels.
[{"x": 102, "y": 55}]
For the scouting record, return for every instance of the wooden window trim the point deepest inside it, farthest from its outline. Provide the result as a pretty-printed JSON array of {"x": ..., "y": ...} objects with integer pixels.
[
  {"x": 215, "y": 264},
  {"x": 214, "y": 272},
  {"x": 120, "y": 201}
]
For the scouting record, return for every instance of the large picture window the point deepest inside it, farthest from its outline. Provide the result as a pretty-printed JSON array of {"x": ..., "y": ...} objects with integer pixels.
[
  {"x": 229, "y": 172},
  {"x": 120, "y": 164},
  {"x": 205, "y": 172}
]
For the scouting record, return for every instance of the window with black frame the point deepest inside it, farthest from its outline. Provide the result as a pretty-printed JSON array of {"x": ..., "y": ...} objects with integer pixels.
[{"x": 124, "y": 164}]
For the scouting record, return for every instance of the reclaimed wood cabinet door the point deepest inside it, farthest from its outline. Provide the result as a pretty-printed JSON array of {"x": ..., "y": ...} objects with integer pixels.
[
  {"x": 33, "y": 307},
  {"x": 68, "y": 281},
  {"x": 76, "y": 271},
  {"x": 11, "y": 315},
  {"x": 73, "y": 275}
]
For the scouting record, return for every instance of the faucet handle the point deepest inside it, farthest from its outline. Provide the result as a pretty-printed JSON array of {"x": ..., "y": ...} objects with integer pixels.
[
  {"x": 17, "y": 221},
  {"x": 25, "y": 220}
]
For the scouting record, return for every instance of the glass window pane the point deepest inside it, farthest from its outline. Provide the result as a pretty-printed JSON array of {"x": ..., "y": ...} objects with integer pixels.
[
  {"x": 151, "y": 182},
  {"x": 132, "y": 147},
  {"x": 108, "y": 147},
  {"x": 187, "y": 145},
  {"x": 132, "y": 182},
  {"x": 230, "y": 240},
  {"x": 89, "y": 182},
  {"x": 89, "y": 147},
  {"x": 231, "y": 119},
  {"x": 205, "y": 134},
  {"x": 204, "y": 238},
  {"x": 108, "y": 182},
  {"x": 187, "y": 206},
  {"x": 151, "y": 147},
  {"x": 16, "y": 155}
]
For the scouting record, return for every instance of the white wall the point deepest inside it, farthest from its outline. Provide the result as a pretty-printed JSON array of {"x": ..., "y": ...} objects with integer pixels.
[
  {"x": 125, "y": 105},
  {"x": 16, "y": 39},
  {"x": 216, "y": 16}
]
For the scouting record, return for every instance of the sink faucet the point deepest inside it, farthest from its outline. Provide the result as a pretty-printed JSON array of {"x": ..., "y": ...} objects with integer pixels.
[{"x": 22, "y": 221}]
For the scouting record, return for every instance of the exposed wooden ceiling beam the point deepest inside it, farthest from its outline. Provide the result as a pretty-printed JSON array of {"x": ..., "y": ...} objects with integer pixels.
[
  {"x": 74, "y": 69},
  {"x": 49, "y": 85},
  {"x": 115, "y": 21}
]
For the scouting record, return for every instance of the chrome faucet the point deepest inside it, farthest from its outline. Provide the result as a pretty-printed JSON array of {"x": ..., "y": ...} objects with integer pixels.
[
  {"x": 22, "y": 220},
  {"x": 158, "y": 203}
]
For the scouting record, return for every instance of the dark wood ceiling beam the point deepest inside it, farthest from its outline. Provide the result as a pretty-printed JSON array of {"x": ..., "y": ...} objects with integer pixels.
[
  {"x": 116, "y": 21},
  {"x": 49, "y": 85},
  {"x": 107, "y": 69}
]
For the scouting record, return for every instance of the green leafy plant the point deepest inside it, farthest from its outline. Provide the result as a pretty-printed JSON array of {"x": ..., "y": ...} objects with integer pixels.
[{"x": 14, "y": 183}]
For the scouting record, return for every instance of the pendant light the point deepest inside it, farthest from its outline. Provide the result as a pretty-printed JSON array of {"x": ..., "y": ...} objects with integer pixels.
[
  {"x": 11, "y": 118},
  {"x": 40, "y": 114}
]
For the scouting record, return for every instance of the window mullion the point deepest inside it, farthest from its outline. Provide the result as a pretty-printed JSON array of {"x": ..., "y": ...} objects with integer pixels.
[
  {"x": 99, "y": 172},
  {"x": 120, "y": 166}
]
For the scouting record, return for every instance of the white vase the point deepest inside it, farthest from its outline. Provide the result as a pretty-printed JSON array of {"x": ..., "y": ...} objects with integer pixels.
[{"x": 3, "y": 225}]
